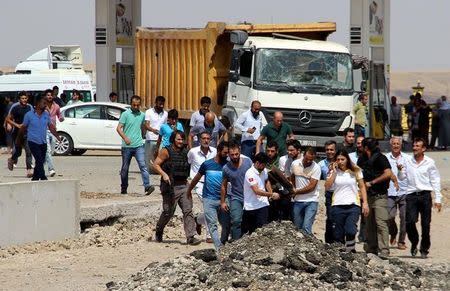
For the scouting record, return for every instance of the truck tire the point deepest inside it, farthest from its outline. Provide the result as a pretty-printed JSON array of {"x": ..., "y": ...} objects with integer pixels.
[{"x": 65, "y": 146}]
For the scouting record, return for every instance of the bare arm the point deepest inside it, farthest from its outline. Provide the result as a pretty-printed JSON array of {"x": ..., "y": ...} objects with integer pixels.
[
  {"x": 311, "y": 185},
  {"x": 259, "y": 143},
  {"x": 387, "y": 173},
  {"x": 52, "y": 129},
  {"x": 20, "y": 134},
  {"x": 158, "y": 144},
  {"x": 193, "y": 183},
  {"x": 122, "y": 134},
  {"x": 163, "y": 155},
  {"x": 260, "y": 192},
  {"x": 223, "y": 194},
  {"x": 362, "y": 190},
  {"x": 10, "y": 120},
  {"x": 190, "y": 137}
]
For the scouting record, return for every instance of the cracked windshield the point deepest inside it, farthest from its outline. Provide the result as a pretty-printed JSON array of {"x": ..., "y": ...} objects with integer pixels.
[{"x": 301, "y": 71}]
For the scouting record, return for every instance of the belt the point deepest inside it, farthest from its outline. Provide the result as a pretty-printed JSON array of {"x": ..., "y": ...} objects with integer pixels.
[{"x": 418, "y": 193}]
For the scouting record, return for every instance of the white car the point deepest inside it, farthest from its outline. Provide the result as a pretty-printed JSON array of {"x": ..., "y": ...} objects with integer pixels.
[{"x": 89, "y": 126}]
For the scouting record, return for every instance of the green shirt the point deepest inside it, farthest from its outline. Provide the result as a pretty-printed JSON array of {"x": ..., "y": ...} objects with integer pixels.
[
  {"x": 132, "y": 127},
  {"x": 278, "y": 135},
  {"x": 360, "y": 114}
]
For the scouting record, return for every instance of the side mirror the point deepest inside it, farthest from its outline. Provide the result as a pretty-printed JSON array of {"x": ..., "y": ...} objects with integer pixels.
[
  {"x": 363, "y": 86},
  {"x": 238, "y": 37}
]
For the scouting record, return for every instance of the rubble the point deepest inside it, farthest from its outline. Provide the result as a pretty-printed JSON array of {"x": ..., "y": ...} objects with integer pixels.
[{"x": 279, "y": 257}]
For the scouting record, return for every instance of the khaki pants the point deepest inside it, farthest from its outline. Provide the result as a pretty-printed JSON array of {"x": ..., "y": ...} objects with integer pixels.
[{"x": 377, "y": 231}]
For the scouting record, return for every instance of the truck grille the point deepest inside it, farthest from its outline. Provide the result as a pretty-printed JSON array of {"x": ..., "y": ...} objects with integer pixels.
[{"x": 309, "y": 122}]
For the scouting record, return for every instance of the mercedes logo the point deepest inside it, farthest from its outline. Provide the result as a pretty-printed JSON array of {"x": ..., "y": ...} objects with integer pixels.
[{"x": 305, "y": 117}]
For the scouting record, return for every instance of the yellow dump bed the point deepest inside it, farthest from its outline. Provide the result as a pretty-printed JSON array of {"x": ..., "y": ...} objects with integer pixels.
[{"x": 185, "y": 64}]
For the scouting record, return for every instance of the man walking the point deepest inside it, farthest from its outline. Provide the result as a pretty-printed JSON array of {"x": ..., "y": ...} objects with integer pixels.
[
  {"x": 35, "y": 125},
  {"x": 397, "y": 194},
  {"x": 172, "y": 165},
  {"x": 212, "y": 171},
  {"x": 277, "y": 131},
  {"x": 154, "y": 118},
  {"x": 130, "y": 129},
  {"x": 422, "y": 177},
  {"x": 55, "y": 112},
  {"x": 377, "y": 174},
  {"x": 250, "y": 123}
]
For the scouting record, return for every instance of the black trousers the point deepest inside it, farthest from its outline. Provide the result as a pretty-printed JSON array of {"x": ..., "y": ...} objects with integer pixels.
[
  {"x": 253, "y": 219},
  {"x": 38, "y": 151},
  {"x": 419, "y": 203},
  {"x": 329, "y": 231}
]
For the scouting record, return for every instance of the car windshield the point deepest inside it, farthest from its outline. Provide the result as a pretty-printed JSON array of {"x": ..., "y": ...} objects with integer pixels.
[{"x": 303, "y": 71}]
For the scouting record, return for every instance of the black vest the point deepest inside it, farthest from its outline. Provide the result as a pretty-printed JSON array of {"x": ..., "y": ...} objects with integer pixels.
[{"x": 177, "y": 166}]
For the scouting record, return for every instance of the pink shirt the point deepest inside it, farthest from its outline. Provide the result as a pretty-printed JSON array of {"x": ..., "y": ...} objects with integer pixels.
[{"x": 54, "y": 112}]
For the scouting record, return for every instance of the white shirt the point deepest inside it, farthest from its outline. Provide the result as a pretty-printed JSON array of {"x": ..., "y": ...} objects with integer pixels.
[
  {"x": 196, "y": 118},
  {"x": 402, "y": 184},
  {"x": 353, "y": 157},
  {"x": 285, "y": 163},
  {"x": 196, "y": 157},
  {"x": 302, "y": 177},
  {"x": 422, "y": 177},
  {"x": 346, "y": 188},
  {"x": 156, "y": 120},
  {"x": 247, "y": 121},
  {"x": 251, "y": 200}
]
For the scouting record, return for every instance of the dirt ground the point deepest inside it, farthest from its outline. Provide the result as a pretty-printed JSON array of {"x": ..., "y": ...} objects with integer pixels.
[{"x": 113, "y": 253}]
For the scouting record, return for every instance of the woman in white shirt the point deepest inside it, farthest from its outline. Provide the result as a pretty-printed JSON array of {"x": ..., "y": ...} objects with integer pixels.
[{"x": 345, "y": 178}]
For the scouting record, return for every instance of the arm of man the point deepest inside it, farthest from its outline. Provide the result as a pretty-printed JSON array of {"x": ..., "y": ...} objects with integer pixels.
[
  {"x": 329, "y": 181},
  {"x": 435, "y": 181},
  {"x": 20, "y": 134},
  {"x": 290, "y": 133},
  {"x": 362, "y": 190},
  {"x": 308, "y": 188},
  {"x": 223, "y": 194},
  {"x": 259, "y": 142},
  {"x": 9, "y": 119},
  {"x": 52, "y": 129},
  {"x": 158, "y": 144},
  {"x": 260, "y": 192},
  {"x": 122, "y": 134},
  {"x": 163, "y": 155},
  {"x": 59, "y": 114},
  {"x": 192, "y": 185}
]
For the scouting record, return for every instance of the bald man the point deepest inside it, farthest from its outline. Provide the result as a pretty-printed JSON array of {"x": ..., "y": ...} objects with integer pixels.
[
  {"x": 210, "y": 125},
  {"x": 277, "y": 131}
]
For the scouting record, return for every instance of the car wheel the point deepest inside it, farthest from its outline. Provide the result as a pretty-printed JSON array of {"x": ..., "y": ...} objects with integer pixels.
[
  {"x": 65, "y": 146},
  {"x": 78, "y": 152}
]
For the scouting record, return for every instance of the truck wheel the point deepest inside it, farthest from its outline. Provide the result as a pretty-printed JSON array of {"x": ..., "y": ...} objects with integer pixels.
[{"x": 65, "y": 146}]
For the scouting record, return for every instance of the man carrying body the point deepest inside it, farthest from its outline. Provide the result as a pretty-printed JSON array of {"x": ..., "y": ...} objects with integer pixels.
[
  {"x": 212, "y": 171},
  {"x": 305, "y": 175},
  {"x": 250, "y": 123},
  {"x": 294, "y": 152},
  {"x": 130, "y": 128},
  {"x": 397, "y": 195},
  {"x": 377, "y": 174},
  {"x": 54, "y": 111},
  {"x": 154, "y": 118},
  {"x": 330, "y": 151},
  {"x": 422, "y": 177},
  {"x": 277, "y": 131},
  {"x": 172, "y": 165},
  {"x": 15, "y": 118},
  {"x": 234, "y": 174},
  {"x": 215, "y": 128},
  {"x": 196, "y": 157}
]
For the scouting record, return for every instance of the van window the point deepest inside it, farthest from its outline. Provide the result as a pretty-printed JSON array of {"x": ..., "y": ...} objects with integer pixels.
[{"x": 245, "y": 69}]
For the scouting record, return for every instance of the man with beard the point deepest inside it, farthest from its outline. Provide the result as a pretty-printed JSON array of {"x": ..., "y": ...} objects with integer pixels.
[
  {"x": 294, "y": 152},
  {"x": 15, "y": 118},
  {"x": 325, "y": 166},
  {"x": 55, "y": 112},
  {"x": 172, "y": 165},
  {"x": 130, "y": 128},
  {"x": 250, "y": 123},
  {"x": 349, "y": 141},
  {"x": 278, "y": 131},
  {"x": 234, "y": 174},
  {"x": 212, "y": 170},
  {"x": 214, "y": 127},
  {"x": 354, "y": 156}
]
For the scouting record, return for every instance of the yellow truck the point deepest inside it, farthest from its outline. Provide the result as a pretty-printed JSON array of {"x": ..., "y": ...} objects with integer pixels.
[{"x": 287, "y": 67}]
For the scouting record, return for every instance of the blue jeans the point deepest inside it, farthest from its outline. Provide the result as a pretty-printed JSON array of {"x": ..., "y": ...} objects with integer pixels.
[
  {"x": 50, "y": 147},
  {"x": 214, "y": 214},
  {"x": 248, "y": 148},
  {"x": 236, "y": 212},
  {"x": 303, "y": 214},
  {"x": 139, "y": 154},
  {"x": 345, "y": 222}
]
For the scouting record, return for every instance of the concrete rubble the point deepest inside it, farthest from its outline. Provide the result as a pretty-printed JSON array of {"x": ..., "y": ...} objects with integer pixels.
[{"x": 278, "y": 257}]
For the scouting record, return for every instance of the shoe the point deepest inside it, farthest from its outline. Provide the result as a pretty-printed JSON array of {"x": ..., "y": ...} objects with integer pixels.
[
  {"x": 15, "y": 165},
  {"x": 401, "y": 246},
  {"x": 10, "y": 164},
  {"x": 198, "y": 226},
  {"x": 123, "y": 191},
  {"x": 52, "y": 173},
  {"x": 209, "y": 240},
  {"x": 158, "y": 236},
  {"x": 193, "y": 241},
  {"x": 413, "y": 251},
  {"x": 393, "y": 241},
  {"x": 423, "y": 255},
  {"x": 29, "y": 173},
  {"x": 149, "y": 190}
]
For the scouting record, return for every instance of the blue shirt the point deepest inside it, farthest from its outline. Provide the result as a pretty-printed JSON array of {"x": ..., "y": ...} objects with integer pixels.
[
  {"x": 215, "y": 132},
  {"x": 213, "y": 178},
  {"x": 236, "y": 177},
  {"x": 166, "y": 131},
  {"x": 324, "y": 168},
  {"x": 37, "y": 126}
]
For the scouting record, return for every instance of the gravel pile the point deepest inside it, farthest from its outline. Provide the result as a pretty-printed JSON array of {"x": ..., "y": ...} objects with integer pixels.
[{"x": 278, "y": 257}]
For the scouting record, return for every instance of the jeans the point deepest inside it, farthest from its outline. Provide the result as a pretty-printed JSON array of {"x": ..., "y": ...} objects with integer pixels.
[
  {"x": 253, "y": 219},
  {"x": 139, "y": 155},
  {"x": 377, "y": 226},
  {"x": 236, "y": 212},
  {"x": 17, "y": 151},
  {"x": 345, "y": 224},
  {"x": 214, "y": 214},
  {"x": 399, "y": 202},
  {"x": 329, "y": 232},
  {"x": 248, "y": 148},
  {"x": 170, "y": 202},
  {"x": 419, "y": 203},
  {"x": 359, "y": 130},
  {"x": 150, "y": 148},
  {"x": 303, "y": 214},
  {"x": 38, "y": 151},
  {"x": 50, "y": 147}
]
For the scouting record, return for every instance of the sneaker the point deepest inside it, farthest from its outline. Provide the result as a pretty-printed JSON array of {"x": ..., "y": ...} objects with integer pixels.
[
  {"x": 52, "y": 173},
  {"x": 401, "y": 246},
  {"x": 423, "y": 255},
  {"x": 10, "y": 164},
  {"x": 158, "y": 236},
  {"x": 193, "y": 241},
  {"x": 123, "y": 191},
  {"x": 198, "y": 226},
  {"x": 149, "y": 190},
  {"x": 413, "y": 251}
]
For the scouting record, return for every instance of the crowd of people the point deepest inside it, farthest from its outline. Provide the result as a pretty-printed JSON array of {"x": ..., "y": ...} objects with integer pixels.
[{"x": 244, "y": 185}]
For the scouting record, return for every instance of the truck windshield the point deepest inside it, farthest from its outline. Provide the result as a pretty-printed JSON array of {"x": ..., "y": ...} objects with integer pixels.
[{"x": 303, "y": 71}]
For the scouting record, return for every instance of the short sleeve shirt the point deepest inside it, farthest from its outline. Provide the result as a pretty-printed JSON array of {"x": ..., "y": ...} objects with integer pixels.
[
  {"x": 215, "y": 132},
  {"x": 212, "y": 171},
  {"x": 302, "y": 178},
  {"x": 37, "y": 126},
  {"x": 254, "y": 178},
  {"x": 132, "y": 127},
  {"x": 196, "y": 118},
  {"x": 236, "y": 177},
  {"x": 279, "y": 135},
  {"x": 346, "y": 188},
  {"x": 166, "y": 131},
  {"x": 380, "y": 164},
  {"x": 156, "y": 120},
  {"x": 18, "y": 112},
  {"x": 196, "y": 157}
]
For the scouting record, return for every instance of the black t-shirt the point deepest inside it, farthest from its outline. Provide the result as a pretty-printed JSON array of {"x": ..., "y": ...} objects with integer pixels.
[
  {"x": 373, "y": 168},
  {"x": 347, "y": 148},
  {"x": 18, "y": 112}
]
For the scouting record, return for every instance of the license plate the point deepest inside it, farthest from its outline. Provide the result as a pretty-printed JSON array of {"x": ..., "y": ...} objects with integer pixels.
[{"x": 311, "y": 143}]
